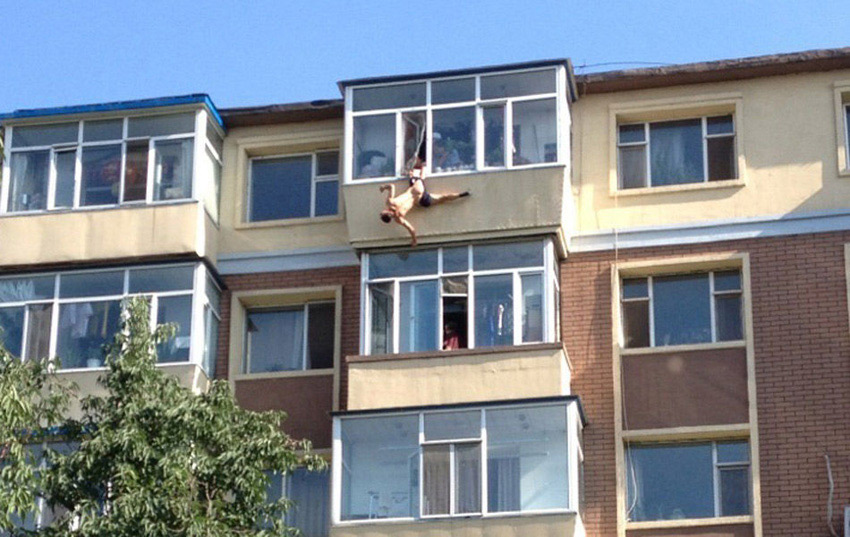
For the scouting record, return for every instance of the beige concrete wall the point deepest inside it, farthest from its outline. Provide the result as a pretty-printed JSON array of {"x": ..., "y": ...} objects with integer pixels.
[
  {"x": 238, "y": 236},
  {"x": 562, "y": 525},
  {"x": 458, "y": 377},
  {"x": 127, "y": 232},
  {"x": 787, "y": 129},
  {"x": 86, "y": 381},
  {"x": 503, "y": 203}
]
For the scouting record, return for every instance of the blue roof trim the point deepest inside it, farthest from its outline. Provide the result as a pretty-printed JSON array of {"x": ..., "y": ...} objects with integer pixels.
[{"x": 138, "y": 104}]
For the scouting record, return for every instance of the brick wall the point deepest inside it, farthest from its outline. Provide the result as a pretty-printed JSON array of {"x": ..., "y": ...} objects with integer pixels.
[
  {"x": 802, "y": 356},
  {"x": 347, "y": 277}
]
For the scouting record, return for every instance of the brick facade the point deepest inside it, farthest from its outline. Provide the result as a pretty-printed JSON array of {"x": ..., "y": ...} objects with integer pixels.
[{"x": 802, "y": 358}]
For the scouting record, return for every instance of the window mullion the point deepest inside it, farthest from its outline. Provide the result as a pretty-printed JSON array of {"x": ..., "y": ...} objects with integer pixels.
[
  {"x": 483, "y": 448},
  {"x": 518, "y": 306},
  {"x": 452, "y": 480},
  {"x": 421, "y": 465},
  {"x": 704, "y": 124},
  {"x": 509, "y": 139},
  {"x": 396, "y": 315},
  {"x": 151, "y": 171},
  {"x": 24, "y": 331},
  {"x": 712, "y": 307},
  {"x": 313, "y": 173},
  {"x": 399, "y": 144},
  {"x": 716, "y": 479},
  {"x": 648, "y": 181},
  {"x": 479, "y": 136},
  {"x": 306, "y": 345},
  {"x": 651, "y": 312}
]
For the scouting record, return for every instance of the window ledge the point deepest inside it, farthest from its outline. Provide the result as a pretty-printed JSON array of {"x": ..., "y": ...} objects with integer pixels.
[
  {"x": 709, "y": 185},
  {"x": 286, "y": 222},
  {"x": 455, "y": 518},
  {"x": 284, "y": 374},
  {"x": 530, "y": 347},
  {"x": 690, "y": 522},
  {"x": 462, "y": 173},
  {"x": 97, "y": 208},
  {"x": 669, "y": 349},
  {"x": 844, "y": 172}
]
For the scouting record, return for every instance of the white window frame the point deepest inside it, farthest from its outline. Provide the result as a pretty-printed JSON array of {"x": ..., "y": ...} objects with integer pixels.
[
  {"x": 561, "y": 123},
  {"x": 305, "y": 348},
  {"x": 572, "y": 442},
  {"x": 200, "y": 300},
  {"x": 199, "y": 137},
  {"x": 315, "y": 179},
  {"x": 547, "y": 271},
  {"x": 647, "y": 151},
  {"x": 716, "y": 468},
  {"x": 713, "y": 294},
  {"x": 846, "y": 109}
]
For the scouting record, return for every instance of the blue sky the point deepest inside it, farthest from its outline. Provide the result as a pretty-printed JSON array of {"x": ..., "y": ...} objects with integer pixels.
[{"x": 263, "y": 51}]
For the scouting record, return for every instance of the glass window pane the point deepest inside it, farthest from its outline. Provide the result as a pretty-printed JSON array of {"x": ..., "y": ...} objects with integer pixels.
[
  {"x": 670, "y": 482},
  {"x": 280, "y": 188},
  {"x": 381, "y": 467},
  {"x": 633, "y": 166},
  {"x": 213, "y": 294},
  {"x": 403, "y": 264},
  {"x": 494, "y": 136},
  {"x": 629, "y": 134},
  {"x": 721, "y": 158},
  {"x": 374, "y": 146},
  {"x": 507, "y": 255},
  {"x": 733, "y": 452},
  {"x": 452, "y": 425},
  {"x": 532, "y": 307},
  {"x": 494, "y": 306},
  {"x": 310, "y": 494},
  {"x": 418, "y": 316},
  {"x": 327, "y": 163},
  {"x": 101, "y": 180},
  {"x": 28, "y": 187},
  {"x": 454, "y": 139},
  {"x": 381, "y": 307},
  {"x": 734, "y": 491},
  {"x": 727, "y": 308},
  {"x": 100, "y": 131},
  {"x": 215, "y": 138},
  {"x": 211, "y": 327},
  {"x": 211, "y": 181},
  {"x": 320, "y": 336},
  {"x": 452, "y": 91},
  {"x": 84, "y": 329},
  {"x": 395, "y": 96},
  {"x": 162, "y": 279},
  {"x": 38, "y": 331},
  {"x": 327, "y": 198},
  {"x": 535, "y": 132},
  {"x": 635, "y": 288},
  {"x": 720, "y": 125},
  {"x": 636, "y": 324},
  {"x": 527, "y": 459},
  {"x": 467, "y": 478},
  {"x": 161, "y": 125},
  {"x": 456, "y": 259},
  {"x": 37, "y": 135},
  {"x": 22, "y": 289},
  {"x": 436, "y": 480},
  {"x": 85, "y": 284},
  {"x": 729, "y": 280},
  {"x": 136, "y": 171},
  {"x": 275, "y": 340},
  {"x": 413, "y": 125},
  {"x": 177, "y": 310},
  {"x": 682, "y": 309},
  {"x": 173, "y": 172},
  {"x": 66, "y": 163},
  {"x": 676, "y": 152},
  {"x": 12, "y": 329},
  {"x": 517, "y": 84}
]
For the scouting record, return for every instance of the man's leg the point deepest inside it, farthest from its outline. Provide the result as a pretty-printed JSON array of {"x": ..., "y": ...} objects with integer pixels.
[{"x": 436, "y": 199}]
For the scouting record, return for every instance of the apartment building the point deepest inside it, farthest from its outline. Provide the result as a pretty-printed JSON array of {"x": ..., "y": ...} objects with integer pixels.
[{"x": 636, "y": 325}]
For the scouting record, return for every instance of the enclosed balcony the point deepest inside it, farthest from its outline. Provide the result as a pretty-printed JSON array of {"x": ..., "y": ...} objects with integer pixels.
[
  {"x": 500, "y": 133},
  {"x": 137, "y": 179}
]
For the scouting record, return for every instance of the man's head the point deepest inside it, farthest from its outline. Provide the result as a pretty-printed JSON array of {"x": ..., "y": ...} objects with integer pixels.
[{"x": 386, "y": 217}]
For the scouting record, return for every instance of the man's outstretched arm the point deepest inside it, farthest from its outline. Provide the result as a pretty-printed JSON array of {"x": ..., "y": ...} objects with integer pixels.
[
  {"x": 409, "y": 227},
  {"x": 390, "y": 188}
]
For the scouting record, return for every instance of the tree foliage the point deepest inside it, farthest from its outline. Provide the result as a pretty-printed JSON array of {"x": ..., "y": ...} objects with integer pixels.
[{"x": 154, "y": 458}]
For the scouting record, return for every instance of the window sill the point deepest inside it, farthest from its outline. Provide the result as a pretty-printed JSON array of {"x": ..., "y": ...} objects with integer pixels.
[
  {"x": 688, "y": 187},
  {"x": 528, "y": 347},
  {"x": 289, "y": 222},
  {"x": 844, "y": 172},
  {"x": 461, "y": 173},
  {"x": 690, "y": 522},
  {"x": 102, "y": 368},
  {"x": 450, "y": 518},
  {"x": 97, "y": 208},
  {"x": 284, "y": 374},
  {"x": 669, "y": 349}
]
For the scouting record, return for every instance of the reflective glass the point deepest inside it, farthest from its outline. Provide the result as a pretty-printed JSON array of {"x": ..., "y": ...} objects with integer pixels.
[
  {"x": 629, "y": 134},
  {"x": 327, "y": 198},
  {"x": 721, "y": 158},
  {"x": 398, "y": 264},
  {"x": 727, "y": 310},
  {"x": 374, "y": 146},
  {"x": 85, "y": 328},
  {"x": 454, "y": 140},
  {"x": 173, "y": 173},
  {"x": 507, "y": 255},
  {"x": 452, "y": 91},
  {"x": 327, "y": 163},
  {"x": 161, "y": 125},
  {"x": 85, "y": 284},
  {"x": 38, "y": 331},
  {"x": 494, "y": 136},
  {"x": 320, "y": 335},
  {"x": 682, "y": 310},
  {"x": 65, "y": 163},
  {"x": 23, "y": 289},
  {"x": 635, "y": 288},
  {"x": 633, "y": 166},
  {"x": 381, "y": 308},
  {"x": 418, "y": 311},
  {"x": 275, "y": 340},
  {"x": 494, "y": 310},
  {"x": 280, "y": 188},
  {"x": 467, "y": 478},
  {"x": 394, "y": 96},
  {"x": 456, "y": 259},
  {"x": 136, "y": 171},
  {"x": 720, "y": 125},
  {"x": 532, "y": 307},
  {"x": 176, "y": 310},
  {"x": 39, "y": 135},
  {"x": 101, "y": 175},
  {"x": 100, "y": 131},
  {"x": 535, "y": 132},
  {"x": 436, "y": 479},
  {"x": 161, "y": 279},
  {"x": 28, "y": 187},
  {"x": 729, "y": 280},
  {"x": 310, "y": 493},
  {"x": 733, "y": 452},
  {"x": 676, "y": 155},
  {"x": 12, "y": 329},
  {"x": 518, "y": 84},
  {"x": 735, "y": 491},
  {"x": 452, "y": 425}
]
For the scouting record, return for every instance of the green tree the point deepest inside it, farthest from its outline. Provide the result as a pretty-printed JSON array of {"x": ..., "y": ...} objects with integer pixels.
[{"x": 153, "y": 458}]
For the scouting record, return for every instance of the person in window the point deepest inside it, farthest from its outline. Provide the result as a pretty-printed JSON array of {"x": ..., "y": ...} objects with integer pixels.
[
  {"x": 451, "y": 337},
  {"x": 397, "y": 207}
]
